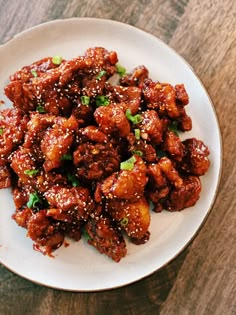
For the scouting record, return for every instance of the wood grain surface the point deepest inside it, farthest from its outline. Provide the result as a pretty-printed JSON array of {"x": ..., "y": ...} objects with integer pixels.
[{"x": 202, "y": 279}]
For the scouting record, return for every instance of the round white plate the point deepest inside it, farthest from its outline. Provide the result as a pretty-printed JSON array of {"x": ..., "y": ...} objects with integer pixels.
[{"x": 79, "y": 267}]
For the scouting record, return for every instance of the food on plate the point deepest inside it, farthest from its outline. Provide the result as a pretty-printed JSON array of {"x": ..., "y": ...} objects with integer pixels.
[{"x": 85, "y": 157}]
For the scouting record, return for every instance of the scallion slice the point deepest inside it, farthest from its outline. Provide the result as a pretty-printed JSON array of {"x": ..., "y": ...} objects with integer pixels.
[
  {"x": 140, "y": 153},
  {"x": 1, "y": 131},
  {"x": 40, "y": 109},
  {"x": 100, "y": 74},
  {"x": 102, "y": 100},
  {"x": 34, "y": 73},
  {"x": 137, "y": 134},
  {"x": 120, "y": 70},
  {"x": 85, "y": 100},
  {"x": 124, "y": 222},
  {"x": 128, "y": 165},
  {"x": 135, "y": 119},
  {"x": 33, "y": 200},
  {"x": 57, "y": 60},
  {"x": 31, "y": 172}
]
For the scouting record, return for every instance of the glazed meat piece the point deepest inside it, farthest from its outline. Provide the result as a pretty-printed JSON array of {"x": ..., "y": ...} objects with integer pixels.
[
  {"x": 95, "y": 161},
  {"x": 135, "y": 78},
  {"x": 23, "y": 164},
  {"x": 141, "y": 147},
  {"x": 126, "y": 97},
  {"x": 12, "y": 127},
  {"x": 195, "y": 161},
  {"x": 5, "y": 177},
  {"x": 132, "y": 217},
  {"x": 83, "y": 113},
  {"x": 162, "y": 176},
  {"x": 126, "y": 184},
  {"x": 74, "y": 200},
  {"x": 20, "y": 195},
  {"x": 185, "y": 195},
  {"x": 151, "y": 127},
  {"x": 173, "y": 145},
  {"x": 112, "y": 120},
  {"x": 36, "y": 128},
  {"x": 106, "y": 237},
  {"x": 45, "y": 232},
  {"x": 91, "y": 133},
  {"x": 46, "y": 180},
  {"x": 22, "y": 216},
  {"x": 161, "y": 97},
  {"x": 57, "y": 141}
]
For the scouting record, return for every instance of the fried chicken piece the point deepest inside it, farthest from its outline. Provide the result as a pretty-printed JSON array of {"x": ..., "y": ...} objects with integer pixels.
[
  {"x": 126, "y": 184},
  {"x": 185, "y": 195},
  {"x": 125, "y": 97},
  {"x": 75, "y": 200},
  {"x": 195, "y": 160},
  {"x": 105, "y": 237},
  {"x": 91, "y": 133},
  {"x": 57, "y": 141},
  {"x": 112, "y": 120},
  {"x": 151, "y": 127},
  {"x": 95, "y": 161},
  {"x": 135, "y": 78},
  {"x": 132, "y": 217},
  {"x": 12, "y": 128},
  {"x": 23, "y": 163},
  {"x": 173, "y": 145},
  {"x": 146, "y": 150},
  {"x": 45, "y": 233},
  {"x": 5, "y": 177}
]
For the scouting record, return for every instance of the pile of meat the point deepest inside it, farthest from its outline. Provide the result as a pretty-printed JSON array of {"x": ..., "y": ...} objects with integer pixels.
[{"x": 85, "y": 157}]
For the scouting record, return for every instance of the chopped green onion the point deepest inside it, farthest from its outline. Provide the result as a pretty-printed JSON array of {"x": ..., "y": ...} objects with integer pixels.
[
  {"x": 102, "y": 100},
  {"x": 124, "y": 222},
  {"x": 128, "y": 165},
  {"x": 173, "y": 126},
  {"x": 40, "y": 109},
  {"x": 120, "y": 70},
  {"x": 33, "y": 200},
  {"x": 34, "y": 73},
  {"x": 85, "y": 100},
  {"x": 57, "y": 60},
  {"x": 1, "y": 131},
  {"x": 73, "y": 179},
  {"x": 140, "y": 153},
  {"x": 137, "y": 133},
  {"x": 101, "y": 74},
  {"x": 31, "y": 172},
  {"x": 134, "y": 119},
  {"x": 67, "y": 157},
  {"x": 85, "y": 234}
]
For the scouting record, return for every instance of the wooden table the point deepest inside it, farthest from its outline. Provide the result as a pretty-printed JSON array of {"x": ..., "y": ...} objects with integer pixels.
[{"x": 202, "y": 279}]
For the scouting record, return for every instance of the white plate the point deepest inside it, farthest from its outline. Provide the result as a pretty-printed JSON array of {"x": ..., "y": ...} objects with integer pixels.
[{"x": 79, "y": 267}]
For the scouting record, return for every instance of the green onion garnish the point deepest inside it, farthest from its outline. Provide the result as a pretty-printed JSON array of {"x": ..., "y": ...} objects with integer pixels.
[
  {"x": 120, "y": 70},
  {"x": 33, "y": 200},
  {"x": 137, "y": 134},
  {"x": 67, "y": 157},
  {"x": 140, "y": 153},
  {"x": 173, "y": 126},
  {"x": 73, "y": 179},
  {"x": 1, "y": 131},
  {"x": 34, "y": 73},
  {"x": 124, "y": 222},
  {"x": 101, "y": 74},
  {"x": 85, "y": 100},
  {"x": 128, "y": 165},
  {"x": 102, "y": 100},
  {"x": 134, "y": 119},
  {"x": 40, "y": 109},
  {"x": 31, "y": 172},
  {"x": 57, "y": 60}
]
